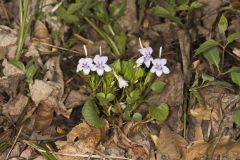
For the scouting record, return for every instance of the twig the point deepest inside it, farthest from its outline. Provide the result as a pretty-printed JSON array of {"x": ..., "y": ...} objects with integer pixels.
[
  {"x": 92, "y": 156},
  {"x": 61, "y": 48},
  {"x": 15, "y": 141}
]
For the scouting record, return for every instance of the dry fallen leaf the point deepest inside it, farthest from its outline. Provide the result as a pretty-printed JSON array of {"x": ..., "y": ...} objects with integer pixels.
[
  {"x": 202, "y": 112},
  {"x": 8, "y": 43},
  {"x": 10, "y": 69},
  {"x": 170, "y": 144},
  {"x": 82, "y": 139},
  {"x": 41, "y": 35},
  {"x": 15, "y": 107},
  {"x": 226, "y": 147},
  {"x": 173, "y": 92}
]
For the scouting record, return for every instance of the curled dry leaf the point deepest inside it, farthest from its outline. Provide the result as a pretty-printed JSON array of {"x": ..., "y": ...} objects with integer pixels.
[
  {"x": 81, "y": 139},
  {"x": 210, "y": 12},
  {"x": 15, "y": 107},
  {"x": 202, "y": 112},
  {"x": 75, "y": 98},
  {"x": 45, "y": 113},
  {"x": 170, "y": 144},
  {"x": 40, "y": 90},
  {"x": 8, "y": 42},
  {"x": 10, "y": 84},
  {"x": 41, "y": 35},
  {"x": 226, "y": 148}
]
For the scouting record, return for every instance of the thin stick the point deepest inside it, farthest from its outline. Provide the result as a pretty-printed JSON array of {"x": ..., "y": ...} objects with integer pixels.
[
  {"x": 100, "y": 50},
  {"x": 56, "y": 6},
  {"x": 92, "y": 156},
  {"x": 160, "y": 52},
  {"x": 15, "y": 141},
  {"x": 61, "y": 48},
  {"x": 140, "y": 42},
  {"x": 85, "y": 50}
]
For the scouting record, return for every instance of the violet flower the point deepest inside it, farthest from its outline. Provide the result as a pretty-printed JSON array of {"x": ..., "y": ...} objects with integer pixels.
[
  {"x": 146, "y": 56},
  {"x": 85, "y": 65},
  {"x": 100, "y": 65},
  {"x": 159, "y": 67}
]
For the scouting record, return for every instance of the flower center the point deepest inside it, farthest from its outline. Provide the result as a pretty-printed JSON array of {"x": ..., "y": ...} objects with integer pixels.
[
  {"x": 147, "y": 57},
  {"x": 85, "y": 65},
  {"x": 159, "y": 67},
  {"x": 100, "y": 65}
]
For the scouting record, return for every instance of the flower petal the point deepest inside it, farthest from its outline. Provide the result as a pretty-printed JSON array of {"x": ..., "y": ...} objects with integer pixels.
[
  {"x": 86, "y": 71},
  {"x": 93, "y": 68},
  {"x": 153, "y": 69},
  {"x": 140, "y": 60},
  {"x": 104, "y": 59},
  {"x": 165, "y": 70},
  {"x": 88, "y": 60},
  {"x": 149, "y": 50},
  {"x": 159, "y": 73},
  {"x": 96, "y": 59},
  {"x": 107, "y": 68},
  {"x": 147, "y": 63},
  {"x": 100, "y": 72},
  {"x": 163, "y": 61},
  {"x": 156, "y": 61}
]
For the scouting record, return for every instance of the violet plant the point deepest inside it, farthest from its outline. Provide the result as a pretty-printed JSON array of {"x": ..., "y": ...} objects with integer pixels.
[{"x": 120, "y": 87}]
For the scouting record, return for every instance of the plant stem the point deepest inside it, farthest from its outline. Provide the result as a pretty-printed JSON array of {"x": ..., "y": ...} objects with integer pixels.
[
  {"x": 105, "y": 36},
  {"x": 23, "y": 15},
  {"x": 185, "y": 107},
  {"x": 111, "y": 29}
]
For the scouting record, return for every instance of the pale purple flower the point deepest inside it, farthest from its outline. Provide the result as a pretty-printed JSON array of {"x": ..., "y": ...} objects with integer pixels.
[
  {"x": 159, "y": 67},
  {"x": 85, "y": 65},
  {"x": 100, "y": 65},
  {"x": 146, "y": 56}
]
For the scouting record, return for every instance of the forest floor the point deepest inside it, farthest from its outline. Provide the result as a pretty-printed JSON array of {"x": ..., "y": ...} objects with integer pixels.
[{"x": 120, "y": 79}]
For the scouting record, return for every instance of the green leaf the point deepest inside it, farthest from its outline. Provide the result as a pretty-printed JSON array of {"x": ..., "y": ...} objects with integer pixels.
[
  {"x": 195, "y": 5},
  {"x": 121, "y": 41},
  {"x": 101, "y": 97},
  {"x": 213, "y": 56},
  {"x": 101, "y": 12},
  {"x": 71, "y": 19},
  {"x": 61, "y": 12},
  {"x": 110, "y": 97},
  {"x": 137, "y": 117},
  {"x": 236, "y": 116},
  {"x": 91, "y": 113},
  {"x": 117, "y": 10},
  {"x": 139, "y": 73},
  {"x": 223, "y": 24},
  {"x": 116, "y": 66},
  {"x": 235, "y": 76},
  {"x": 162, "y": 12},
  {"x": 183, "y": 7},
  {"x": 220, "y": 83},
  {"x": 148, "y": 78},
  {"x": 206, "y": 45},
  {"x": 73, "y": 7},
  {"x": 181, "y": 2},
  {"x": 134, "y": 96},
  {"x": 206, "y": 77},
  {"x": 30, "y": 72},
  {"x": 18, "y": 64},
  {"x": 158, "y": 86},
  {"x": 233, "y": 37},
  {"x": 160, "y": 113},
  {"x": 233, "y": 69}
]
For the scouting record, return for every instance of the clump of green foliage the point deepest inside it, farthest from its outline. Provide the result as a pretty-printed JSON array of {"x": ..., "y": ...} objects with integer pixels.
[{"x": 97, "y": 12}]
